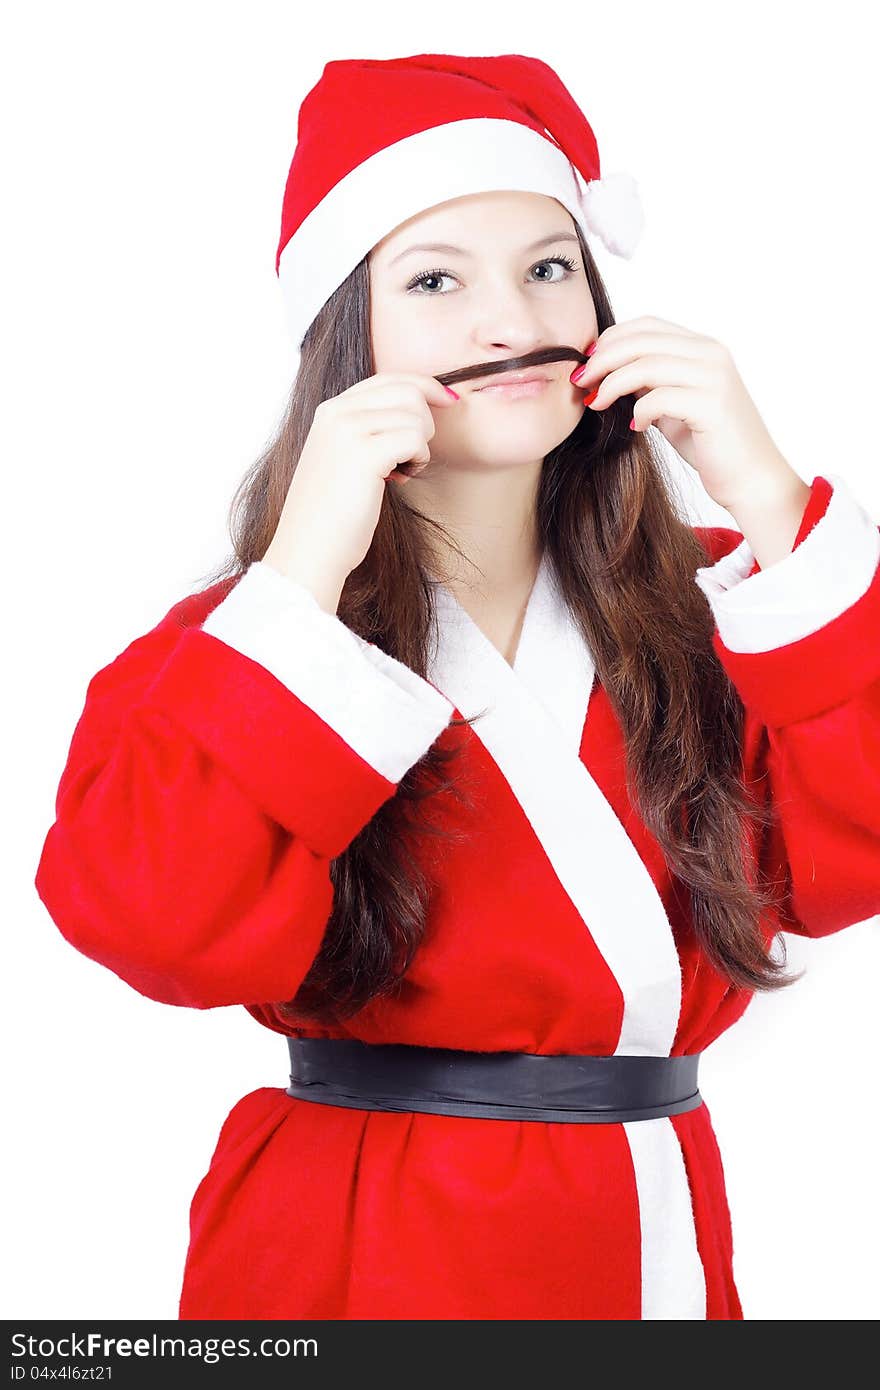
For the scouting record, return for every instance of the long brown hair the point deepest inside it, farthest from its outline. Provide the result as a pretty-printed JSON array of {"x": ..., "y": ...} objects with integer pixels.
[{"x": 626, "y": 562}]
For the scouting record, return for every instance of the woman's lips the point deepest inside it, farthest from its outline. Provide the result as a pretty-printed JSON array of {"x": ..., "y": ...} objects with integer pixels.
[
  {"x": 529, "y": 364},
  {"x": 514, "y": 389}
]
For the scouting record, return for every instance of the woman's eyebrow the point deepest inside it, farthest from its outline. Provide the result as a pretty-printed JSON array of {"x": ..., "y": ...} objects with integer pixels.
[{"x": 459, "y": 251}]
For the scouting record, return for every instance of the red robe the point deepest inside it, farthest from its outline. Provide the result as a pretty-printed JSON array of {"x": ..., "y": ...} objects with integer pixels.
[{"x": 225, "y": 757}]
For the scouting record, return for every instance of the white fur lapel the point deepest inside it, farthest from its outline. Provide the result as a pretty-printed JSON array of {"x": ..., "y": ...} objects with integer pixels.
[{"x": 532, "y": 729}]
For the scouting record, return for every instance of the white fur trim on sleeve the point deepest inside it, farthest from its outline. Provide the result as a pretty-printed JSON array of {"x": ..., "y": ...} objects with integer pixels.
[
  {"x": 379, "y": 706},
  {"x": 819, "y": 580}
]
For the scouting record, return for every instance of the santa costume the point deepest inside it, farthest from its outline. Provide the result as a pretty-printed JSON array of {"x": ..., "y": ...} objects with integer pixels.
[{"x": 227, "y": 756}]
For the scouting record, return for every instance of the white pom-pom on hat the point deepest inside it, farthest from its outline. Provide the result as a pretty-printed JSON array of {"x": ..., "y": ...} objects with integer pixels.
[{"x": 613, "y": 211}]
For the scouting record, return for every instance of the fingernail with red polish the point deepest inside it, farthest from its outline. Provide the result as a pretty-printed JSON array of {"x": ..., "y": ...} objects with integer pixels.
[
  {"x": 632, "y": 424},
  {"x": 588, "y": 400},
  {"x": 578, "y": 372},
  {"x": 592, "y": 348},
  {"x": 454, "y": 394}
]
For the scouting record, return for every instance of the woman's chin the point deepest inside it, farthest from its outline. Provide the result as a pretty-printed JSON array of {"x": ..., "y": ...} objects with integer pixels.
[{"x": 509, "y": 440}]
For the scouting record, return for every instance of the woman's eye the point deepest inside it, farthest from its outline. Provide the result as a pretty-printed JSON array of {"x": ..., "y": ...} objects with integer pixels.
[
  {"x": 565, "y": 262},
  {"x": 428, "y": 275}
]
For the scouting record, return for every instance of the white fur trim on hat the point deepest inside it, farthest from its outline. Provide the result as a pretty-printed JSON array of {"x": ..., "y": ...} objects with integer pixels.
[{"x": 419, "y": 172}]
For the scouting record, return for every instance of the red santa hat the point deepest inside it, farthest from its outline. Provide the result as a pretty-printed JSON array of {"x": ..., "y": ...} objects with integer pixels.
[{"x": 379, "y": 140}]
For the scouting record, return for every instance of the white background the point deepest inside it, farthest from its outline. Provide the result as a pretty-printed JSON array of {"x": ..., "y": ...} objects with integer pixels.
[{"x": 145, "y": 366}]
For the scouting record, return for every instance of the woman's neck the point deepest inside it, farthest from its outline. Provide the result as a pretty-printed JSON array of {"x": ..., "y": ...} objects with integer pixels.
[{"x": 490, "y": 515}]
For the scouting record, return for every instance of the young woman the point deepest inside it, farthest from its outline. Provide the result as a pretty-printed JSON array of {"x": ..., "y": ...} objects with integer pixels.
[{"x": 490, "y": 790}]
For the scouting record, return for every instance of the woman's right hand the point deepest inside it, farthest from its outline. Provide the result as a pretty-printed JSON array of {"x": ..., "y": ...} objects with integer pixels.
[{"x": 357, "y": 441}]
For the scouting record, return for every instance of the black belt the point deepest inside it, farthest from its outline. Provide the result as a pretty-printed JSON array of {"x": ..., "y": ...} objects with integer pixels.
[{"x": 491, "y": 1085}]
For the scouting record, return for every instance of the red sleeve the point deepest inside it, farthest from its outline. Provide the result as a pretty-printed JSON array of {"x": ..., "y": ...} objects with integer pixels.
[
  {"x": 196, "y": 816},
  {"x": 812, "y": 742}
]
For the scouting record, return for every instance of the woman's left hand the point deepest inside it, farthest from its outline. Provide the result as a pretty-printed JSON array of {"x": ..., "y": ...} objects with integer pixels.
[{"x": 688, "y": 386}]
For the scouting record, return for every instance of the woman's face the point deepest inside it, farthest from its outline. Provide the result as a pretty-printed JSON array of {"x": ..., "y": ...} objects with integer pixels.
[{"x": 499, "y": 295}]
